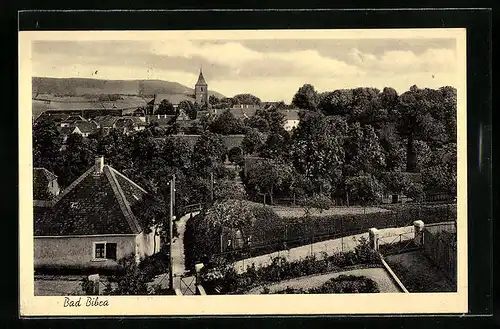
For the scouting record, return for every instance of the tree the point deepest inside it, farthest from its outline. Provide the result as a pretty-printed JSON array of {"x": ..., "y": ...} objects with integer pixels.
[
  {"x": 208, "y": 153},
  {"x": 77, "y": 158},
  {"x": 317, "y": 202},
  {"x": 364, "y": 189},
  {"x": 165, "y": 107},
  {"x": 338, "y": 102},
  {"x": 227, "y": 124},
  {"x": 317, "y": 149},
  {"x": 229, "y": 213},
  {"x": 226, "y": 189},
  {"x": 253, "y": 141},
  {"x": 269, "y": 175},
  {"x": 276, "y": 145},
  {"x": 115, "y": 148},
  {"x": 246, "y": 99},
  {"x": 176, "y": 153},
  {"x": 363, "y": 153},
  {"x": 235, "y": 155},
  {"x": 306, "y": 98},
  {"x": 416, "y": 121},
  {"x": 46, "y": 144},
  {"x": 212, "y": 100},
  {"x": 190, "y": 108}
]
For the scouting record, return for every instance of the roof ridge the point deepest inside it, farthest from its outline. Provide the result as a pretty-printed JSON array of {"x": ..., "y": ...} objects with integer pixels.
[
  {"x": 122, "y": 201},
  {"x": 128, "y": 179},
  {"x": 72, "y": 185}
]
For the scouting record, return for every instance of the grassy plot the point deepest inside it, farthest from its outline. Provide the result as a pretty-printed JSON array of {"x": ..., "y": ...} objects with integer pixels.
[{"x": 418, "y": 274}]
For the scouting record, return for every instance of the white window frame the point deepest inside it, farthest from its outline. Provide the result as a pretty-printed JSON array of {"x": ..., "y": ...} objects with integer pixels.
[{"x": 94, "y": 249}]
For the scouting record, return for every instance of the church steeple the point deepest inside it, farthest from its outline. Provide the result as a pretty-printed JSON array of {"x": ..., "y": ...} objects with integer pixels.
[
  {"x": 201, "y": 90},
  {"x": 201, "y": 79}
]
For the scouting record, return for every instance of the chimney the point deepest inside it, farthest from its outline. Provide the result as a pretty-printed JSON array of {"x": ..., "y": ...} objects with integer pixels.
[{"x": 99, "y": 165}]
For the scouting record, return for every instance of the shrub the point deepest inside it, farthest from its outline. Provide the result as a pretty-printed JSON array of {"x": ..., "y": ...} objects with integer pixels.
[{"x": 338, "y": 285}]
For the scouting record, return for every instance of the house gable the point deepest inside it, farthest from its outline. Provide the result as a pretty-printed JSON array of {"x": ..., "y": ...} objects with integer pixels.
[{"x": 94, "y": 204}]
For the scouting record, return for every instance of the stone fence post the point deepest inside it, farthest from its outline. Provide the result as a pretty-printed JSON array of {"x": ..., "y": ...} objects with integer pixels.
[
  {"x": 418, "y": 227},
  {"x": 94, "y": 280},
  {"x": 198, "y": 268},
  {"x": 373, "y": 232}
]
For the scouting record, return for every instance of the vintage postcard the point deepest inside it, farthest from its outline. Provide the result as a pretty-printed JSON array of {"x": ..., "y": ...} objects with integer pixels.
[{"x": 242, "y": 172}]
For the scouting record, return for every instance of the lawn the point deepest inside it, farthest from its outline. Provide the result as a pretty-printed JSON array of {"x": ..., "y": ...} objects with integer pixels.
[
  {"x": 418, "y": 274},
  {"x": 378, "y": 275}
]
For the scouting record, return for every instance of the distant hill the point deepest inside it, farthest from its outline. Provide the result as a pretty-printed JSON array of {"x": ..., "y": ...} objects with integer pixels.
[{"x": 72, "y": 87}]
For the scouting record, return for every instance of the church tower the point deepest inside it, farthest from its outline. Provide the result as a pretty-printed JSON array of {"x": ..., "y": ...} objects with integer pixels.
[{"x": 201, "y": 91}]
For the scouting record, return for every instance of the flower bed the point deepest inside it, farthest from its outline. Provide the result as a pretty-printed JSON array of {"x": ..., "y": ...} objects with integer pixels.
[
  {"x": 343, "y": 284},
  {"x": 223, "y": 278}
]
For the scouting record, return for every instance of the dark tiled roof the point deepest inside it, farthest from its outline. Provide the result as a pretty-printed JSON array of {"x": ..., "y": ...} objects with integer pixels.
[
  {"x": 85, "y": 127},
  {"x": 73, "y": 118},
  {"x": 175, "y": 99},
  {"x": 92, "y": 205},
  {"x": 229, "y": 141},
  {"x": 201, "y": 80},
  {"x": 162, "y": 120},
  {"x": 106, "y": 121}
]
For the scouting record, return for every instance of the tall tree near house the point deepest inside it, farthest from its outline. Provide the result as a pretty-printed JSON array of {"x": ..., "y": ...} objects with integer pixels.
[
  {"x": 46, "y": 144},
  {"x": 115, "y": 148},
  {"x": 77, "y": 158},
  {"x": 165, "y": 107},
  {"x": 306, "y": 98}
]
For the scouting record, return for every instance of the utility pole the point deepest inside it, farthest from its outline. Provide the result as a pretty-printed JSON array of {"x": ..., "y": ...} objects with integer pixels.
[{"x": 171, "y": 231}]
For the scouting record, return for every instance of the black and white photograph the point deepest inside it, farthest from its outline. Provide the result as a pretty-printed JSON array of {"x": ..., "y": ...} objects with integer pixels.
[{"x": 244, "y": 163}]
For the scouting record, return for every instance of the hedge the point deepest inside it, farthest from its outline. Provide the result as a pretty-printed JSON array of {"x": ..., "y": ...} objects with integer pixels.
[{"x": 270, "y": 232}]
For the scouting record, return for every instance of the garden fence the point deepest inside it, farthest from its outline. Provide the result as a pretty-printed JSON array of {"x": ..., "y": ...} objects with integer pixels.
[{"x": 441, "y": 247}]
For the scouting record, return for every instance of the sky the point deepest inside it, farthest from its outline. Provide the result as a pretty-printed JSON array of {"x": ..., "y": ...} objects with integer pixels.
[{"x": 272, "y": 69}]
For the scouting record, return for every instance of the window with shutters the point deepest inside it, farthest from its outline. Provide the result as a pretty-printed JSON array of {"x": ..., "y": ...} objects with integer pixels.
[{"x": 104, "y": 250}]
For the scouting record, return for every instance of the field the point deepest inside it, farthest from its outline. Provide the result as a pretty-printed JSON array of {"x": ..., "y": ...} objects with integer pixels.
[{"x": 80, "y": 102}]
